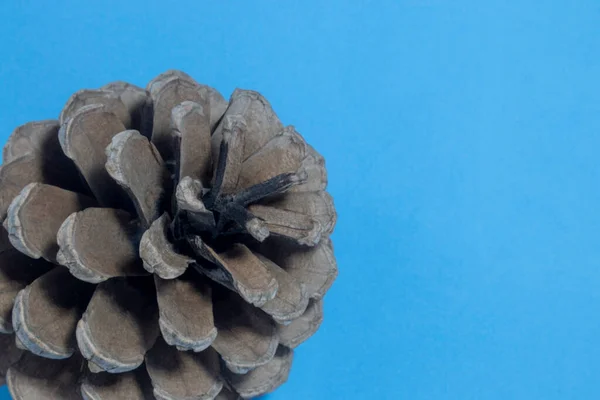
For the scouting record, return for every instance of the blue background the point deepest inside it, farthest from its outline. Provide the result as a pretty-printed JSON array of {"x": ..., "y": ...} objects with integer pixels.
[{"x": 462, "y": 142}]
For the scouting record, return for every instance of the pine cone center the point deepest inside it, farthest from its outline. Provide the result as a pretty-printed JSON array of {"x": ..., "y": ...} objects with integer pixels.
[{"x": 226, "y": 214}]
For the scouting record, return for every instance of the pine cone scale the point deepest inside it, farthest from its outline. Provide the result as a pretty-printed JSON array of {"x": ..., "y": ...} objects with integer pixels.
[
  {"x": 291, "y": 298},
  {"x": 191, "y": 129},
  {"x": 16, "y": 272},
  {"x": 135, "y": 164},
  {"x": 186, "y": 312},
  {"x": 9, "y": 355},
  {"x": 158, "y": 253},
  {"x": 87, "y": 97},
  {"x": 256, "y": 111},
  {"x": 247, "y": 336},
  {"x": 84, "y": 138},
  {"x": 38, "y": 137},
  {"x": 315, "y": 266},
  {"x": 40, "y": 202},
  {"x": 15, "y": 175},
  {"x": 302, "y": 328},
  {"x": 249, "y": 277},
  {"x": 34, "y": 377},
  {"x": 168, "y": 91},
  {"x": 97, "y": 244},
  {"x": 46, "y": 312},
  {"x": 282, "y": 154},
  {"x": 118, "y": 327},
  {"x": 134, "y": 385},
  {"x": 168, "y": 368},
  {"x": 134, "y": 98},
  {"x": 265, "y": 378}
]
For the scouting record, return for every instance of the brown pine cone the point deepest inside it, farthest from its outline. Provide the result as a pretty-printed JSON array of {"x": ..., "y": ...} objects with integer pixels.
[{"x": 160, "y": 243}]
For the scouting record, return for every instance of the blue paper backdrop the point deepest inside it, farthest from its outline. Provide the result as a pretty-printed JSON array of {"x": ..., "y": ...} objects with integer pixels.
[{"x": 462, "y": 141}]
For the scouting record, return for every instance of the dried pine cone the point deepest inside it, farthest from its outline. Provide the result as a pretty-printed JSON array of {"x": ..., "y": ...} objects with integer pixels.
[{"x": 184, "y": 266}]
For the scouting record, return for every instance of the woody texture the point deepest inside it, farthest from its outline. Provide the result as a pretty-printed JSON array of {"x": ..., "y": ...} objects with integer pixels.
[{"x": 160, "y": 243}]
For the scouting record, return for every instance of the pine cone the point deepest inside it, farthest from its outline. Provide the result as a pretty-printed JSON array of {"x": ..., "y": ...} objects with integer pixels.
[{"x": 160, "y": 243}]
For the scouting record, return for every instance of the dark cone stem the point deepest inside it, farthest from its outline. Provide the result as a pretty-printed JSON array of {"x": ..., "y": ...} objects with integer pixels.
[
  {"x": 229, "y": 210},
  {"x": 276, "y": 185},
  {"x": 210, "y": 199}
]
